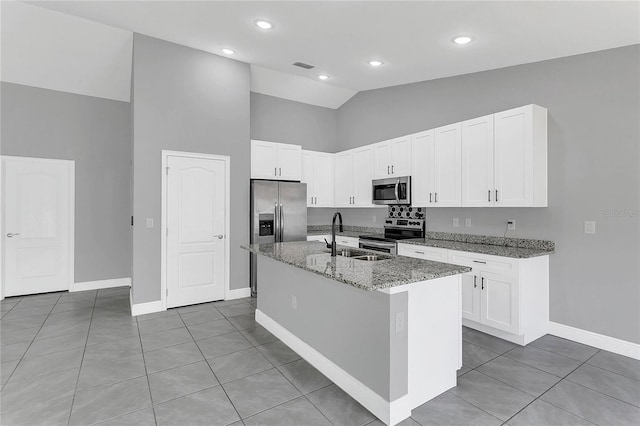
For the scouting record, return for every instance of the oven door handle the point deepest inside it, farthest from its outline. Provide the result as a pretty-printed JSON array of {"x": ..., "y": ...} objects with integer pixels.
[{"x": 396, "y": 191}]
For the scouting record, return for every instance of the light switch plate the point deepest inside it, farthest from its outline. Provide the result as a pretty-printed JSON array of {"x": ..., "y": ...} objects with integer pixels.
[
  {"x": 467, "y": 222},
  {"x": 149, "y": 222},
  {"x": 589, "y": 227},
  {"x": 511, "y": 224},
  {"x": 456, "y": 222},
  {"x": 399, "y": 322}
]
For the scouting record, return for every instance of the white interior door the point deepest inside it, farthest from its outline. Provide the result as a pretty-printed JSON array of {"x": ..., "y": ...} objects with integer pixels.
[
  {"x": 38, "y": 225},
  {"x": 196, "y": 224}
]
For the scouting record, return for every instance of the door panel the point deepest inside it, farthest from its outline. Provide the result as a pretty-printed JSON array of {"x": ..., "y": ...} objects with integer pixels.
[
  {"x": 264, "y": 160},
  {"x": 401, "y": 154},
  {"x": 422, "y": 168},
  {"x": 308, "y": 176},
  {"x": 470, "y": 297},
  {"x": 447, "y": 166},
  {"x": 289, "y": 162},
  {"x": 323, "y": 174},
  {"x": 500, "y": 302},
  {"x": 477, "y": 162},
  {"x": 38, "y": 227},
  {"x": 294, "y": 211},
  {"x": 196, "y": 248},
  {"x": 382, "y": 160},
  {"x": 362, "y": 176},
  {"x": 343, "y": 185}
]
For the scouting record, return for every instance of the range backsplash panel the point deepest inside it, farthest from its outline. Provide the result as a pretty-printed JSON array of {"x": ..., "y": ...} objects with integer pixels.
[{"x": 407, "y": 212}]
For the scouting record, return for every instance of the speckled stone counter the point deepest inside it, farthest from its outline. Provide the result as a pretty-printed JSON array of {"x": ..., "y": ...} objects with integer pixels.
[
  {"x": 349, "y": 230},
  {"x": 485, "y": 248},
  {"x": 393, "y": 271}
]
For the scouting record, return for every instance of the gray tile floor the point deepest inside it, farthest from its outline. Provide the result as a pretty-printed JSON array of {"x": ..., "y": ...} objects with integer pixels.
[{"x": 80, "y": 359}]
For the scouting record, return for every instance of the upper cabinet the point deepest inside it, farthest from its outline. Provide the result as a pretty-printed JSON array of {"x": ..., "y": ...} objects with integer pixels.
[
  {"x": 278, "y": 161},
  {"x": 353, "y": 176},
  {"x": 436, "y": 167},
  {"x": 392, "y": 158},
  {"x": 318, "y": 174},
  {"x": 504, "y": 159}
]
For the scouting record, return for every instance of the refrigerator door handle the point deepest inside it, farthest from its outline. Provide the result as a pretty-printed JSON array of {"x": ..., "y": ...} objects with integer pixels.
[
  {"x": 276, "y": 224},
  {"x": 281, "y": 224}
]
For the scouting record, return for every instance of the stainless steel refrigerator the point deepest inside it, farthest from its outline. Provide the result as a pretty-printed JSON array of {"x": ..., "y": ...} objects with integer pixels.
[{"x": 278, "y": 214}]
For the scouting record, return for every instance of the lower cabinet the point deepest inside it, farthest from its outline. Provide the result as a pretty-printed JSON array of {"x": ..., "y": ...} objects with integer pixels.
[
  {"x": 502, "y": 296},
  {"x": 340, "y": 240}
]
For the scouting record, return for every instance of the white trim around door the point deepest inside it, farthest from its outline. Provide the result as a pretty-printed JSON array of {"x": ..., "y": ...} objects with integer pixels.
[
  {"x": 70, "y": 214},
  {"x": 163, "y": 231}
]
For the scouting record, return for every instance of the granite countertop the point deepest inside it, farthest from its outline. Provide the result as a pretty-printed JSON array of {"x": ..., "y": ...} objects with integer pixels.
[
  {"x": 345, "y": 233},
  {"x": 490, "y": 249},
  {"x": 313, "y": 256},
  {"x": 349, "y": 230}
]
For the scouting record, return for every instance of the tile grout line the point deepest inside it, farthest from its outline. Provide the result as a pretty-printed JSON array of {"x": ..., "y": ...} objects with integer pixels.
[
  {"x": 209, "y": 365},
  {"x": 84, "y": 350},
  {"x": 556, "y": 384},
  {"x": 146, "y": 373},
  {"x": 32, "y": 340}
]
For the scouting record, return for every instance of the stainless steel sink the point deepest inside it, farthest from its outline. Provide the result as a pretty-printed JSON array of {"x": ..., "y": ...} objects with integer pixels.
[{"x": 360, "y": 255}]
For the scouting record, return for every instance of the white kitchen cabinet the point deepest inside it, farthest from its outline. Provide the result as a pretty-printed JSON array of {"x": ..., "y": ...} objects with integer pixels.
[
  {"x": 277, "y": 161},
  {"x": 392, "y": 158},
  {"x": 318, "y": 238},
  {"x": 346, "y": 241},
  {"x": 353, "y": 176},
  {"x": 318, "y": 174},
  {"x": 436, "y": 167},
  {"x": 470, "y": 297},
  {"x": 477, "y": 162},
  {"x": 520, "y": 157},
  {"x": 423, "y": 252},
  {"x": 504, "y": 159}
]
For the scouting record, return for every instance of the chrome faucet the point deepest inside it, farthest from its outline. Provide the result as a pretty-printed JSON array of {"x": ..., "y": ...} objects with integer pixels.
[{"x": 333, "y": 232}]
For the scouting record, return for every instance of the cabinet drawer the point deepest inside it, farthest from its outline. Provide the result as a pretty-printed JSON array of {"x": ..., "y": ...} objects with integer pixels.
[
  {"x": 423, "y": 252},
  {"x": 318, "y": 237},
  {"x": 347, "y": 241},
  {"x": 484, "y": 262}
]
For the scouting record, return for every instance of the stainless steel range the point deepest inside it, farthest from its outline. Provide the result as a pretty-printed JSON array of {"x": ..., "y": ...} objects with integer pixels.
[{"x": 395, "y": 229}]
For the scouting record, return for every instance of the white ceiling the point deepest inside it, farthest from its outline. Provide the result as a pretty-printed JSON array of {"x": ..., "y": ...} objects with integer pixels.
[{"x": 413, "y": 38}]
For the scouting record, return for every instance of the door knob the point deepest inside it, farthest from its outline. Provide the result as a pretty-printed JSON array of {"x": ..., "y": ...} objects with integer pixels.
[
  {"x": 10, "y": 235},
  {"x": 219, "y": 236}
]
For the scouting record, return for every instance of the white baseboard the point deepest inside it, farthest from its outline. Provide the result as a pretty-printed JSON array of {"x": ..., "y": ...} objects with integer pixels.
[
  {"x": 600, "y": 341},
  {"x": 239, "y": 293},
  {"x": 99, "y": 284},
  {"x": 390, "y": 413},
  {"x": 146, "y": 308}
]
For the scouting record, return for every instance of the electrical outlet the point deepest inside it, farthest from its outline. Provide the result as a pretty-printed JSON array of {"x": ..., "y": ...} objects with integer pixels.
[
  {"x": 374, "y": 219},
  {"x": 467, "y": 222},
  {"x": 399, "y": 322},
  {"x": 511, "y": 224},
  {"x": 456, "y": 222},
  {"x": 149, "y": 222},
  {"x": 589, "y": 227},
  {"x": 294, "y": 302}
]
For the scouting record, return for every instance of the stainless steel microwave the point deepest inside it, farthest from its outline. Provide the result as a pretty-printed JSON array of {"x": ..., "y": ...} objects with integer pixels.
[{"x": 391, "y": 190}]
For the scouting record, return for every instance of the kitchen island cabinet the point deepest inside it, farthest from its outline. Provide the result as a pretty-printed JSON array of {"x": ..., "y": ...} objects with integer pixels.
[{"x": 387, "y": 332}]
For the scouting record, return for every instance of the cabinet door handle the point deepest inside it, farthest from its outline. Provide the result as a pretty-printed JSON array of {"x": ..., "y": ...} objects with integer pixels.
[
  {"x": 275, "y": 171},
  {"x": 388, "y": 170},
  {"x": 479, "y": 261},
  {"x": 475, "y": 281},
  {"x": 391, "y": 169},
  {"x": 430, "y": 197},
  {"x": 435, "y": 197},
  {"x": 280, "y": 169},
  {"x": 496, "y": 195},
  {"x": 488, "y": 195},
  {"x": 316, "y": 200},
  {"x": 482, "y": 280}
]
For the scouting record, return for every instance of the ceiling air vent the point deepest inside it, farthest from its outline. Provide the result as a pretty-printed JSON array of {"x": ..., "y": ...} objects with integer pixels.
[{"x": 303, "y": 65}]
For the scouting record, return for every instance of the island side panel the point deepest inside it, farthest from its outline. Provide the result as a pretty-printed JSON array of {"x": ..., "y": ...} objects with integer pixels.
[{"x": 348, "y": 326}]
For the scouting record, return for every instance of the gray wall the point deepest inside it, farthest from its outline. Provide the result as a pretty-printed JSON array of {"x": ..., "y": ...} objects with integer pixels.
[
  {"x": 280, "y": 120},
  {"x": 593, "y": 103},
  {"x": 96, "y": 134},
  {"x": 186, "y": 100},
  {"x": 353, "y": 328}
]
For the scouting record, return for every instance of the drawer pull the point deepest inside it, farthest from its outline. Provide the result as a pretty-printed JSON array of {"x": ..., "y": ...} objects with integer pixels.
[
  {"x": 475, "y": 281},
  {"x": 419, "y": 252},
  {"x": 479, "y": 261}
]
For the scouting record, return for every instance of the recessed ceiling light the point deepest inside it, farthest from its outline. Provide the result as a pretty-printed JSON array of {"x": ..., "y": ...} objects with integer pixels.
[
  {"x": 228, "y": 51},
  {"x": 261, "y": 23},
  {"x": 323, "y": 77},
  {"x": 462, "y": 39},
  {"x": 375, "y": 63}
]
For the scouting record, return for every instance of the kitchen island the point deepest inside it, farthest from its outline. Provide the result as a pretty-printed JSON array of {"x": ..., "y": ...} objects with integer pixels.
[{"x": 386, "y": 330}]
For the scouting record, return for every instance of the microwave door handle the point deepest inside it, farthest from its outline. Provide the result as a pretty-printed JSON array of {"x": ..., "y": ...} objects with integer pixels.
[{"x": 396, "y": 191}]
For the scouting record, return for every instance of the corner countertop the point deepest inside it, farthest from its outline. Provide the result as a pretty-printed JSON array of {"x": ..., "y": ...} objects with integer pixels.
[
  {"x": 313, "y": 256},
  {"x": 490, "y": 249}
]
